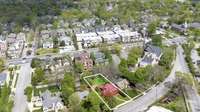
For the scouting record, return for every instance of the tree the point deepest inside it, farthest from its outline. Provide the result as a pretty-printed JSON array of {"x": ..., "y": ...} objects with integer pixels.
[
  {"x": 117, "y": 48},
  {"x": 157, "y": 40},
  {"x": 151, "y": 29},
  {"x": 5, "y": 102},
  {"x": 38, "y": 76},
  {"x": 62, "y": 43},
  {"x": 28, "y": 92},
  {"x": 1, "y": 64},
  {"x": 74, "y": 103},
  {"x": 184, "y": 78},
  {"x": 35, "y": 63},
  {"x": 167, "y": 58},
  {"x": 55, "y": 42},
  {"x": 133, "y": 56},
  {"x": 67, "y": 86},
  {"x": 78, "y": 67},
  {"x": 123, "y": 68}
]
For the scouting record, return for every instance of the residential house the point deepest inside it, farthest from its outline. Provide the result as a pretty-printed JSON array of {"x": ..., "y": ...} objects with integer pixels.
[
  {"x": 48, "y": 44},
  {"x": 3, "y": 78},
  {"x": 129, "y": 36},
  {"x": 183, "y": 27},
  {"x": 15, "y": 44},
  {"x": 84, "y": 59},
  {"x": 108, "y": 90},
  {"x": 100, "y": 58},
  {"x": 3, "y": 48},
  {"x": 122, "y": 83},
  {"x": 152, "y": 55},
  {"x": 51, "y": 102},
  {"x": 109, "y": 37},
  {"x": 89, "y": 39},
  {"x": 66, "y": 43}
]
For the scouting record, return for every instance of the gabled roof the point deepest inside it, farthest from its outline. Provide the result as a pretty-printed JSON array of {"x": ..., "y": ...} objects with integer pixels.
[
  {"x": 48, "y": 101},
  {"x": 108, "y": 90},
  {"x": 147, "y": 59},
  {"x": 153, "y": 49}
]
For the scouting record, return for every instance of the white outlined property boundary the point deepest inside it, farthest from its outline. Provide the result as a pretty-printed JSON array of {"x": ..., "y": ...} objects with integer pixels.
[
  {"x": 93, "y": 89},
  {"x": 130, "y": 99}
]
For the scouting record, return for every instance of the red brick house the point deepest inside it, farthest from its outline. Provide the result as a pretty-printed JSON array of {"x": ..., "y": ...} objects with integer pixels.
[
  {"x": 84, "y": 59},
  {"x": 109, "y": 90}
]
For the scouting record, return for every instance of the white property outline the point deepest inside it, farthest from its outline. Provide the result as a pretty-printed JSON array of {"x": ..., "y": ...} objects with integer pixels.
[
  {"x": 93, "y": 89},
  {"x": 131, "y": 99}
]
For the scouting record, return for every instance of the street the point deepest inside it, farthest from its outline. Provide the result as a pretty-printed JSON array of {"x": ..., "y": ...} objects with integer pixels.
[{"x": 23, "y": 81}]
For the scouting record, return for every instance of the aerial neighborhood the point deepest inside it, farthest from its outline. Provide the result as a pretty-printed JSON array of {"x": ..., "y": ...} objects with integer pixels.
[{"x": 99, "y": 56}]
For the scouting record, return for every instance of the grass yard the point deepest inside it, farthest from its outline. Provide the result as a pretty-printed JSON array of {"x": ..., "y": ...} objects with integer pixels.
[
  {"x": 43, "y": 51},
  {"x": 131, "y": 92},
  {"x": 95, "y": 81}
]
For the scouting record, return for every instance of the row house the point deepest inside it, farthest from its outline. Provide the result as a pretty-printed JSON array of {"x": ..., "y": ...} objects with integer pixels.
[
  {"x": 88, "y": 39},
  {"x": 109, "y": 37},
  {"x": 128, "y": 36}
]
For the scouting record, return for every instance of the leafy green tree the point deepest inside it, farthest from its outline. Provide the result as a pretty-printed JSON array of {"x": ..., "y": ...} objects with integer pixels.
[
  {"x": 5, "y": 102},
  {"x": 157, "y": 40},
  {"x": 133, "y": 56},
  {"x": 123, "y": 67},
  {"x": 74, "y": 103},
  {"x": 1, "y": 64},
  {"x": 167, "y": 58},
  {"x": 78, "y": 67},
  {"x": 38, "y": 76},
  {"x": 151, "y": 29},
  {"x": 117, "y": 48},
  {"x": 28, "y": 92},
  {"x": 35, "y": 63},
  {"x": 67, "y": 86}
]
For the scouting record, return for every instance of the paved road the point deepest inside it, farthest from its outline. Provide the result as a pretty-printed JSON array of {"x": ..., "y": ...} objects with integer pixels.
[
  {"x": 23, "y": 81},
  {"x": 143, "y": 102},
  {"x": 192, "y": 95}
]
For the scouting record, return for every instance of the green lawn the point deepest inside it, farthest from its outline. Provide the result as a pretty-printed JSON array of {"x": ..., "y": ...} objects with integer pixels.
[
  {"x": 131, "y": 92},
  {"x": 43, "y": 51}
]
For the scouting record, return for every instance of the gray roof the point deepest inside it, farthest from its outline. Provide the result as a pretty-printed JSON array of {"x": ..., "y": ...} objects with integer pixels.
[
  {"x": 194, "y": 25},
  {"x": 48, "y": 101},
  {"x": 147, "y": 59},
  {"x": 178, "y": 27},
  {"x": 3, "y": 77},
  {"x": 153, "y": 49}
]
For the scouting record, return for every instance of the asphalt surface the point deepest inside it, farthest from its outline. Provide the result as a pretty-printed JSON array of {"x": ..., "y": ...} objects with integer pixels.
[{"x": 24, "y": 79}]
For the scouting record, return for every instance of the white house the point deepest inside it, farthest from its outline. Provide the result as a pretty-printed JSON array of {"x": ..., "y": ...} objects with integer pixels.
[
  {"x": 51, "y": 103},
  {"x": 129, "y": 36},
  {"x": 89, "y": 39},
  {"x": 109, "y": 37},
  {"x": 152, "y": 56}
]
